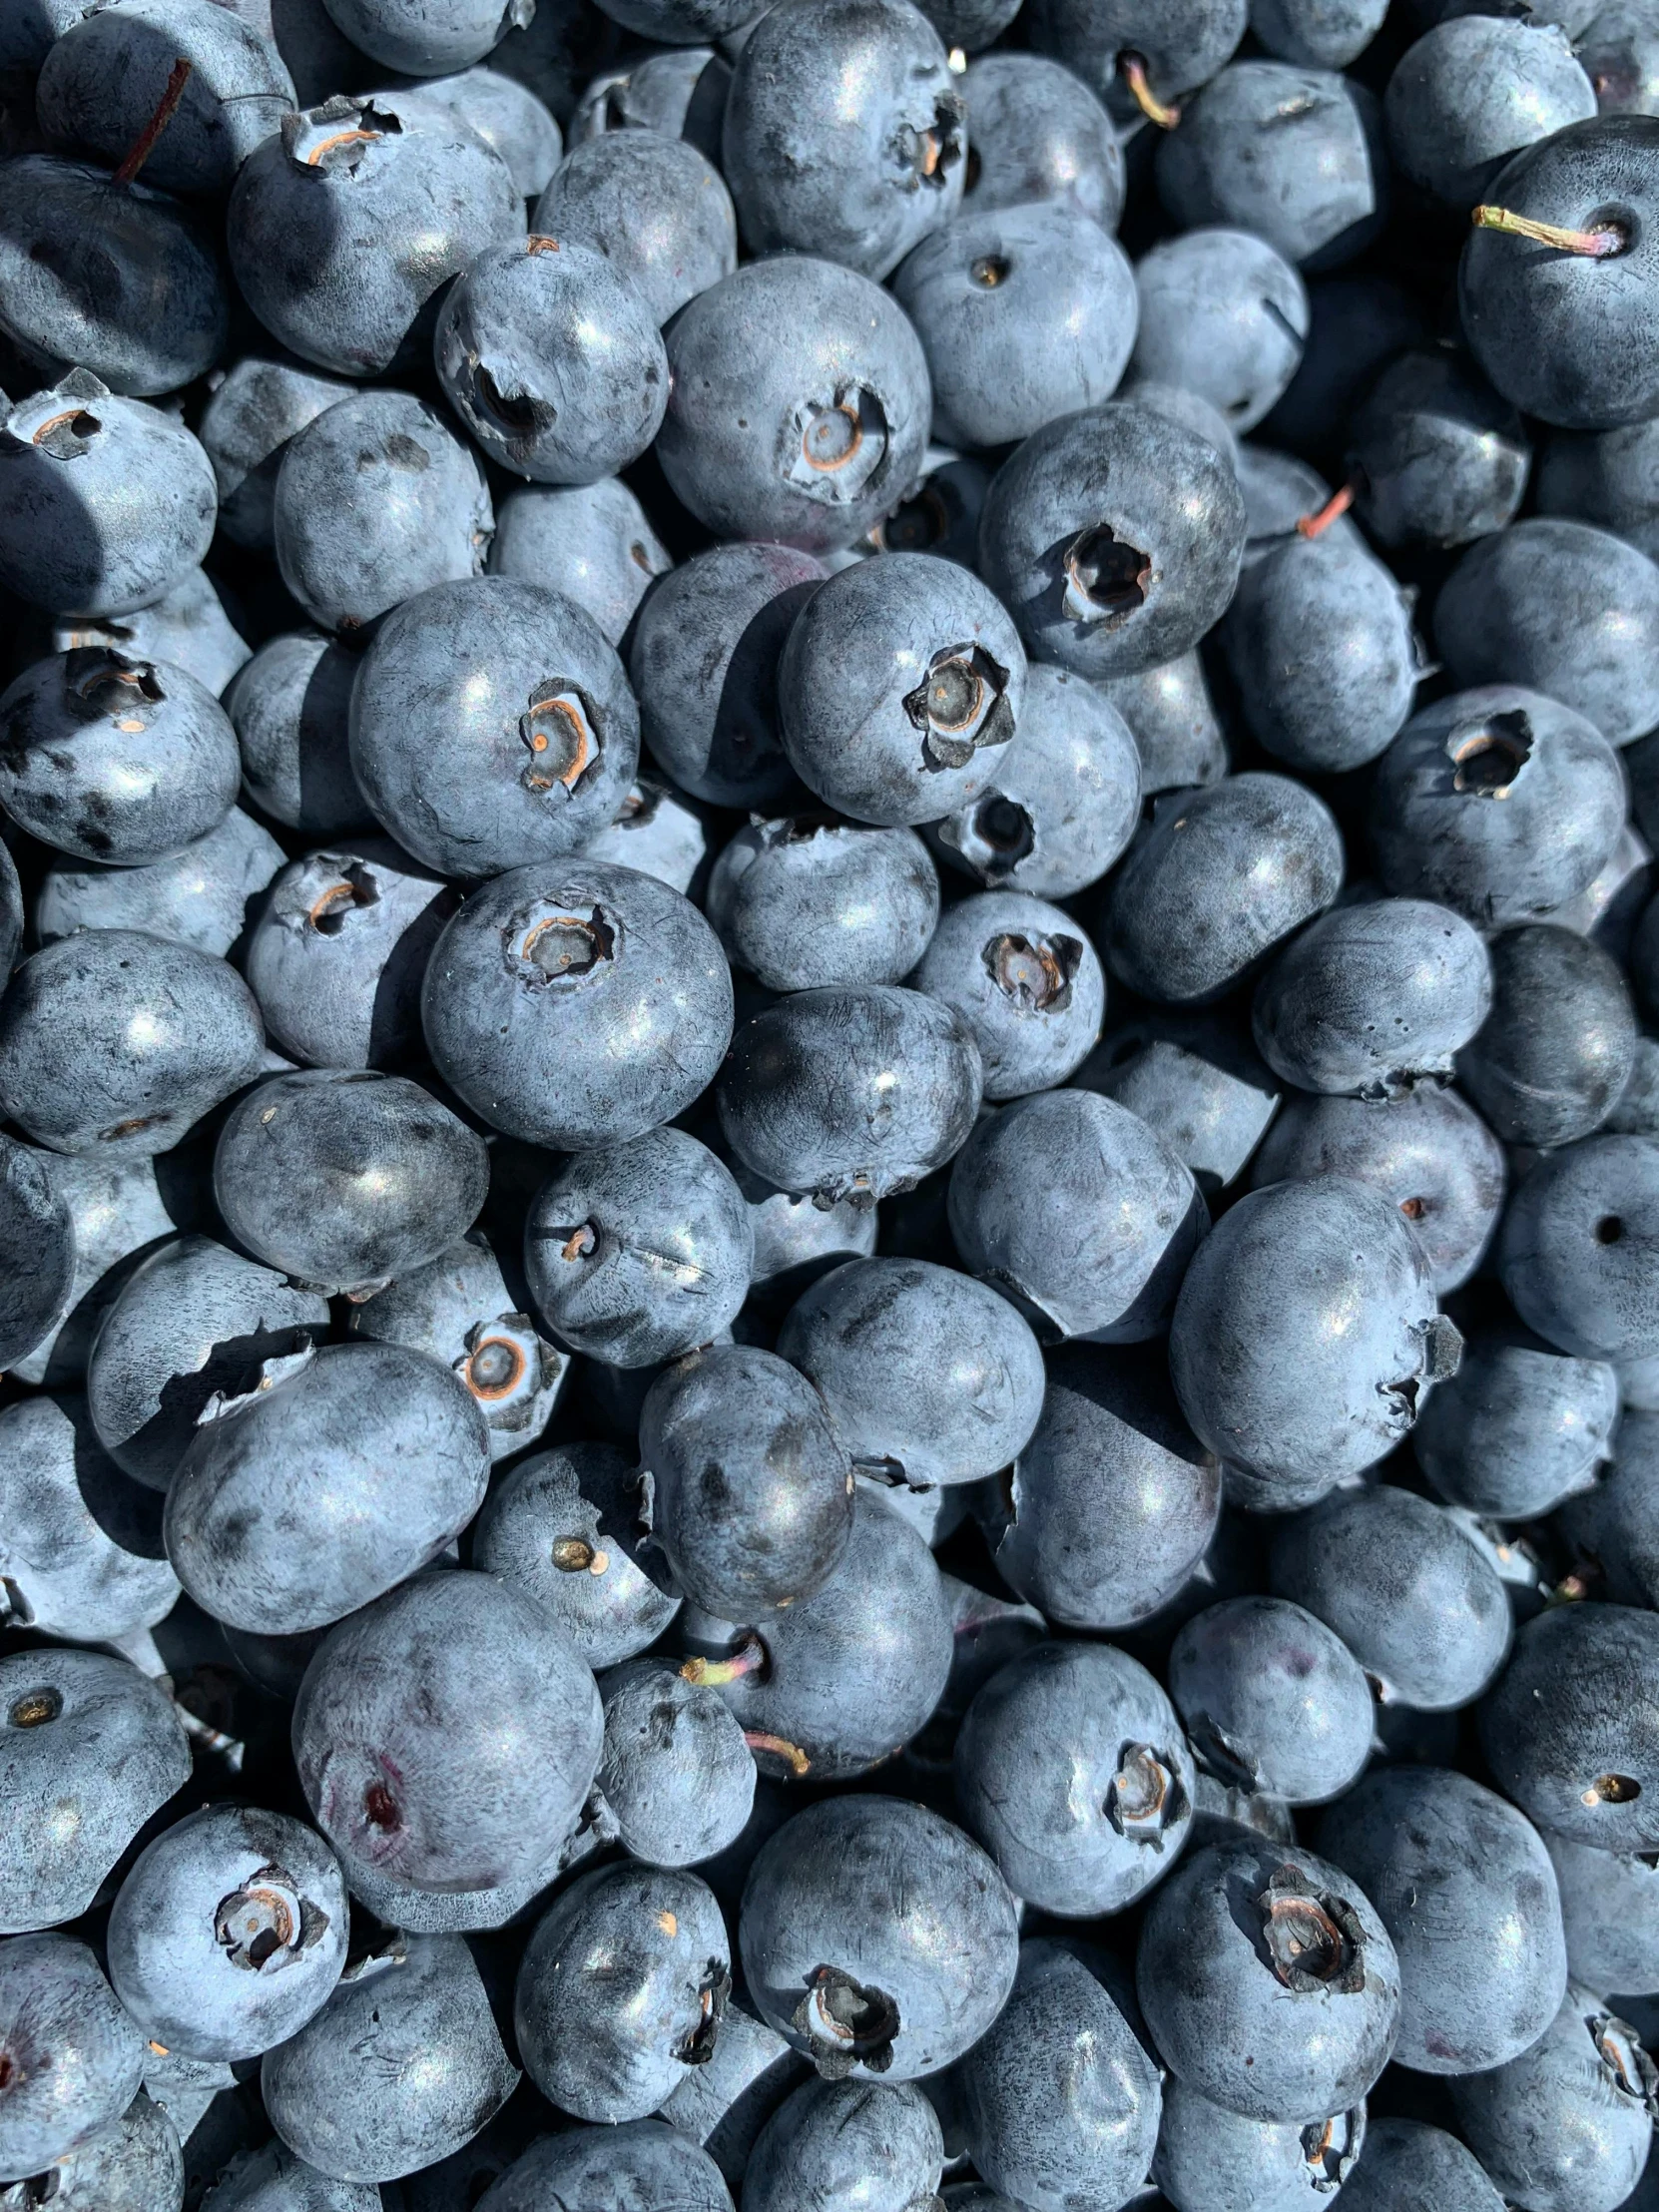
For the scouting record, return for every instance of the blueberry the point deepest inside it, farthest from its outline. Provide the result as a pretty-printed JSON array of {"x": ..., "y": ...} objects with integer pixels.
[
  {"x": 1610, "y": 1520},
  {"x": 658, "y": 832},
  {"x": 752, "y": 1490},
  {"x": 200, "y": 896},
  {"x": 131, "y": 2166},
  {"x": 1557, "y": 1048},
  {"x": 1196, "y": 1081},
  {"x": 859, "y": 1986},
  {"x": 113, "y": 1211},
  {"x": 89, "y": 1749},
  {"x": 1519, "y": 1429},
  {"x": 796, "y": 1241},
  {"x": 1279, "y": 494},
  {"x": 1407, "y": 2164},
  {"x": 970, "y": 24},
  {"x": 1319, "y": 34},
  {"x": 1436, "y": 456},
  {"x": 1475, "y": 91},
  {"x": 105, "y": 503},
  {"x": 1578, "y": 1252},
  {"x": 346, "y": 225},
  {"x": 1038, "y": 134},
  {"x": 800, "y": 404},
  {"x": 608, "y": 2168},
  {"x": 1619, "y": 54},
  {"x": 638, "y": 1251},
  {"x": 346, "y": 1178},
  {"x": 724, "y": 2103},
  {"x": 401, "y": 2067},
  {"x": 80, "y": 1545},
  {"x": 1567, "y": 1732},
  {"x": 575, "y": 1003},
  {"x": 274, "y": 2180},
  {"x": 1440, "y": 832},
  {"x": 1207, "y": 2155},
  {"x": 1027, "y": 982},
  {"x": 833, "y": 2143},
  {"x": 804, "y": 903},
  {"x": 1072, "y": 1207},
  {"x": 114, "y": 1041},
  {"x": 1179, "y": 46},
  {"x": 1355, "y": 325},
  {"x": 39, "y": 1243},
  {"x": 290, "y": 706},
  {"x": 621, "y": 1988},
  {"x": 590, "y": 542},
  {"x": 1273, "y": 1701},
  {"x": 1608, "y": 1902},
  {"x": 187, "y": 627},
  {"x": 1606, "y": 477},
  {"x": 426, "y": 45},
  {"x": 563, "y": 1529},
  {"x": 1115, "y": 537},
  {"x": 1224, "y": 316},
  {"x": 75, "y": 2057},
  {"x": 681, "y": 92},
  {"x": 653, "y": 207},
  {"x": 676, "y": 1772}
]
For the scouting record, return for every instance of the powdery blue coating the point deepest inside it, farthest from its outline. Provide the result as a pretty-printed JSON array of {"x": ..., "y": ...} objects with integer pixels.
[
  {"x": 38, "y": 1244},
  {"x": 428, "y": 41},
  {"x": 113, "y": 1211},
  {"x": 401, "y": 2067},
  {"x": 1263, "y": 1379},
  {"x": 1571, "y": 1713},
  {"x": 344, "y": 227},
  {"x": 901, "y": 688},
  {"x": 1114, "y": 536},
  {"x": 807, "y": 904},
  {"x": 852, "y": 1092},
  {"x": 575, "y": 1003},
  {"x": 1060, "y": 2101},
  {"x": 124, "y": 282},
  {"x": 1556, "y": 1051},
  {"x": 375, "y": 501},
  {"x": 1073, "y": 1208},
  {"x": 681, "y": 93},
  {"x": 1578, "y": 1252},
  {"x": 77, "y": 1787},
  {"x": 245, "y": 426},
  {"x": 1072, "y": 1771},
  {"x": 1319, "y": 34},
  {"x": 751, "y": 1498},
  {"x": 1409, "y": 2168},
  {"x": 928, "y": 1375},
  {"x": 592, "y": 543},
  {"x": 870, "y": 1896},
  {"x": 1293, "y": 155},
  {"x": 1425, "y": 1150},
  {"x": 564, "y": 1530},
  {"x": 1613, "y": 1521},
  {"x": 1217, "y": 879},
  {"x": 1610, "y": 1911},
  {"x": 660, "y": 833},
  {"x": 723, "y": 2104},
  {"x": 1607, "y": 477},
  {"x": 1025, "y": 980},
  {"x": 611, "y": 2169},
  {"x": 341, "y": 1473},
  {"x": 1272, "y": 1699},
  {"x": 187, "y": 627},
  {"x": 656, "y": 210},
  {"x": 1182, "y": 41},
  {"x": 799, "y": 404},
  {"x": 1517, "y": 1429},
  {"x": 676, "y": 1772},
  {"x": 1210, "y": 2157},
  {"x": 290, "y": 706},
  {"x": 274, "y": 2180},
  {"x": 832, "y": 2144},
  {"x": 1475, "y": 91},
  {"x": 492, "y": 727},
  {"x": 77, "y": 2058},
  {"x": 1441, "y": 457},
  {"x": 346, "y": 1179},
  {"x": 136, "y": 2165},
  {"x": 1193, "y": 1079},
  {"x": 105, "y": 503},
  {"x": 1039, "y": 133},
  {"x": 1222, "y": 314},
  {"x": 114, "y": 1041},
  {"x": 796, "y": 1241},
  {"x": 1498, "y": 803},
  {"x": 228, "y": 1932},
  {"x": 638, "y": 1251},
  {"x": 398, "y": 1772},
  {"x": 1318, "y": 2034},
  {"x": 199, "y": 896},
  {"x": 505, "y": 113},
  {"x": 80, "y": 1544}
]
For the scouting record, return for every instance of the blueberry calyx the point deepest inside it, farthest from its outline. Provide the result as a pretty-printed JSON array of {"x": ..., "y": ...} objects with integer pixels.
[
  {"x": 1036, "y": 973},
  {"x": 63, "y": 432},
  {"x": 834, "y": 446},
  {"x": 697, "y": 2048},
  {"x": 959, "y": 706},
  {"x": 1145, "y": 1799},
  {"x": 846, "y": 2023},
  {"x": 1217, "y": 1757},
  {"x": 267, "y": 1923},
  {"x": 350, "y": 885},
  {"x": 993, "y": 838},
  {"x": 1631, "y": 2071},
  {"x": 334, "y": 137},
  {"x": 546, "y": 946},
  {"x": 1106, "y": 578},
  {"x": 1331, "y": 2148},
  {"x": 35, "y": 1708},
  {"x": 928, "y": 156},
  {"x": 91, "y": 669},
  {"x": 561, "y": 728},
  {"x": 1488, "y": 757},
  {"x": 1312, "y": 1937}
]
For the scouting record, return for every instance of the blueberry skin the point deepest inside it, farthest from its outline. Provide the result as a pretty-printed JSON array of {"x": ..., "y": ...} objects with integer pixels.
[
  {"x": 833, "y": 2143},
  {"x": 1319, "y": 34},
  {"x": 115, "y": 760},
  {"x": 105, "y": 503},
  {"x": 653, "y": 207},
  {"x": 1618, "y": 53},
  {"x": 855, "y": 1092},
  {"x": 188, "y": 627},
  {"x": 1222, "y": 875},
  {"x": 135, "y": 2165},
  {"x": 1262, "y": 1376},
  {"x": 1578, "y": 1252},
  {"x": 506, "y": 115},
  {"x": 77, "y": 2058},
  {"x": 1038, "y": 137},
  {"x": 1076, "y": 1211},
  {"x": 1024, "y": 313},
  {"x": 200, "y": 896},
  {"x": 1371, "y": 997},
  {"x": 1567, "y": 2126},
  {"x": 38, "y": 1246},
  {"x": 1026, "y": 981},
  {"x": 1272, "y": 1700},
  {"x": 900, "y": 689},
  {"x": 1219, "y": 1983},
  {"x": 1608, "y": 1909},
  {"x": 868, "y": 1915},
  {"x": 1439, "y": 459},
  {"x": 852, "y": 1673},
  {"x": 89, "y": 1749},
  {"x": 386, "y": 1423},
  {"x": 344, "y": 226},
  {"x": 1519, "y": 1429},
  {"x": 228, "y": 1932},
  {"x": 807, "y": 904},
  {"x": 589, "y": 542},
  {"x": 563, "y": 1530},
  {"x": 1114, "y": 536},
  {"x": 114, "y": 1042},
  {"x": 1567, "y": 1730},
  {"x": 1355, "y": 325},
  {"x": 274, "y": 2180},
  {"x": 1439, "y": 833},
  {"x": 1409, "y": 2168},
  {"x": 703, "y": 663},
  {"x": 1475, "y": 91},
  {"x": 156, "y": 316},
  {"x": 575, "y": 1033},
  {"x": 1558, "y": 1046},
  {"x": 638, "y": 1251},
  {"x": 675, "y": 1771},
  {"x": 611, "y": 2169},
  {"x": 796, "y": 1241},
  {"x": 683, "y": 22},
  {"x": 751, "y": 1498},
  {"x": 1606, "y": 477},
  {"x": 799, "y": 404},
  {"x": 860, "y": 180},
  {"x": 290, "y": 705},
  {"x": 458, "y": 1310},
  {"x": 1182, "y": 45},
  {"x": 401, "y": 2067},
  {"x": 1566, "y": 337},
  {"x": 1278, "y": 492},
  {"x": 681, "y": 92},
  {"x": 725, "y": 2104},
  {"x": 1065, "y": 798},
  {"x": 1071, "y": 1769},
  {"x": 1224, "y": 316},
  {"x": 80, "y": 1545},
  {"x": 1207, "y": 2155},
  {"x": 112, "y": 1210},
  {"x": 1613, "y": 1522},
  {"x": 660, "y": 833},
  {"x": 492, "y": 727},
  {"x": 346, "y": 1178},
  {"x": 621, "y": 1988},
  {"x": 428, "y": 42},
  {"x": 1197, "y": 1083}
]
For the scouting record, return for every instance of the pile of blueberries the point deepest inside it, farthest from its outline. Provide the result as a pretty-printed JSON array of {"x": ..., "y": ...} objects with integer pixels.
[{"x": 829, "y": 1045}]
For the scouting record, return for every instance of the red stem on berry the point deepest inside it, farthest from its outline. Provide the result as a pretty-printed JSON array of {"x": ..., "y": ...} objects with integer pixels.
[
  {"x": 1597, "y": 245},
  {"x": 145, "y": 143},
  {"x": 1316, "y": 525},
  {"x": 749, "y": 1658},
  {"x": 792, "y": 1754}
]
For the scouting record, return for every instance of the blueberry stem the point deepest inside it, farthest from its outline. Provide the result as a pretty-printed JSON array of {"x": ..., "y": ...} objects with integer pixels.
[
  {"x": 145, "y": 143},
  {"x": 749, "y": 1659},
  {"x": 792, "y": 1754},
  {"x": 1134, "y": 76},
  {"x": 1314, "y": 525},
  {"x": 1594, "y": 245}
]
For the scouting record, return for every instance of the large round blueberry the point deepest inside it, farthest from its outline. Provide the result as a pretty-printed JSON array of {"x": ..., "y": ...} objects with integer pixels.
[
  {"x": 1579, "y": 1248},
  {"x": 656, "y": 209},
  {"x": 1557, "y": 1049},
  {"x": 80, "y": 1547},
  {"x": 1474, "y": 91},
  {"x": 675, "y": 1773},
  {"x": 807, "y": 901},
  {"x": 1569, "y": 1730},
  {"x": 1273, "y": 1700},
  {"x": 1039, "y": 134},
  {"x": 1027, "y": 984},
  {"x": 76, "y": 2058},
  {"x": 828, "y": 2140},
  {"x": 1224, "y": 316}
]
